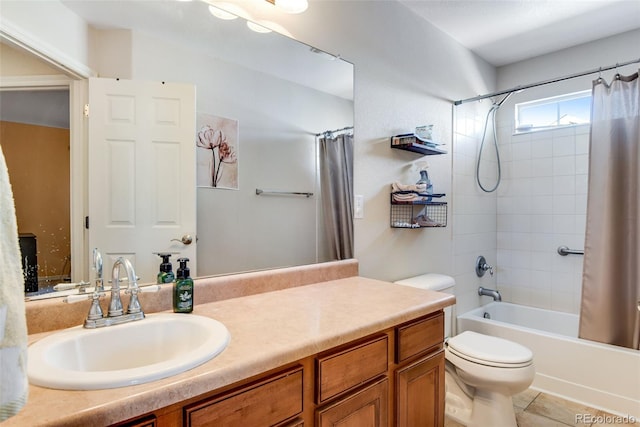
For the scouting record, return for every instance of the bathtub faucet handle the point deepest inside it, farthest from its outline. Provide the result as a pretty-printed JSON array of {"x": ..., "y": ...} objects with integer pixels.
[{"x": 482, "y": 266}]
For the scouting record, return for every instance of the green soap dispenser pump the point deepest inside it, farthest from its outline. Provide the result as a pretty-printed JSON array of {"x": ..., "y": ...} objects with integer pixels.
[
  {"x": 183, "y": 289},
  {"x": 166, "y": 270}
]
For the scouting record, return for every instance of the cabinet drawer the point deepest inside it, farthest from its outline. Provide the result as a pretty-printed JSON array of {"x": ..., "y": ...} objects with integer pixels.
[
  {"x": 342, "y": 371},
  {"x": 419, "y": 337},
  {"x": 265, "y": 403}
]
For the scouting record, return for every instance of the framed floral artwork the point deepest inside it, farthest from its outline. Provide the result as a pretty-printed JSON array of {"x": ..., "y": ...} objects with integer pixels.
[{"x": 216, "y": 152}]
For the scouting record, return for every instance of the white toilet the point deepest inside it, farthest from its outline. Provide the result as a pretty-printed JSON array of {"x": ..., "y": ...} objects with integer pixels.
[{"x": 482, "y": 372}]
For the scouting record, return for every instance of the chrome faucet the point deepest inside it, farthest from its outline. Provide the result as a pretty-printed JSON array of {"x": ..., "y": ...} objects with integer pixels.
[
  {"x": 116, "y": 314},
  {"x": 494, "y": 293},
  {"x": 115, "y": 306}
]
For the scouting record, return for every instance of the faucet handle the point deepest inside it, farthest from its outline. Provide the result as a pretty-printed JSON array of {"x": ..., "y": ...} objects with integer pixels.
[
  {"x": 72, "y": 299},
  {"x": 81, "y": 286},
  {"x": 149, "y": 288},
  {"x": 482, "y": 266}
]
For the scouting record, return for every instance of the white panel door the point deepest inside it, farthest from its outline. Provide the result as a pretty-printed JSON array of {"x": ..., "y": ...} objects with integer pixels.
[{"x": 142, "y": 181}]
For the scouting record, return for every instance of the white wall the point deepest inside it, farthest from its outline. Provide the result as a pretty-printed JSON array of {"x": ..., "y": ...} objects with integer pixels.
[
  {"x": 542, "y": 202},
  {"x": 407, "y": 72}
]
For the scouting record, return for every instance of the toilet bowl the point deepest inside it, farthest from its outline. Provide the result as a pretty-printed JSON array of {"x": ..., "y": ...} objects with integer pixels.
[{"x": 482, "y": 372}]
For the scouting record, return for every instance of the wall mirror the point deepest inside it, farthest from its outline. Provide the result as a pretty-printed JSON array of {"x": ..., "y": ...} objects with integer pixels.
[{"x": 282, "y": 94}]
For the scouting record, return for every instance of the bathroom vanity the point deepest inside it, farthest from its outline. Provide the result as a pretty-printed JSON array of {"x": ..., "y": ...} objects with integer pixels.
[{"x": 311, "y": 355}]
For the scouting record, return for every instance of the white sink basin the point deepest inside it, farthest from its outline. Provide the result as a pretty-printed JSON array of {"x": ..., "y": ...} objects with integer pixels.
[{"x": 146, "y": 350}]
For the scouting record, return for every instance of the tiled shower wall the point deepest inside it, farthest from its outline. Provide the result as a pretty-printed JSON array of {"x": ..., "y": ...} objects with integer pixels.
[
  {"x": 541, "y": 205},
  {"x": 474, "y": 212}
]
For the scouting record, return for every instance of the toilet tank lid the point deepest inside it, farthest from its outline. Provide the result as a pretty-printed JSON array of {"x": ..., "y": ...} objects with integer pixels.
[{"x": 431, "y": 281}]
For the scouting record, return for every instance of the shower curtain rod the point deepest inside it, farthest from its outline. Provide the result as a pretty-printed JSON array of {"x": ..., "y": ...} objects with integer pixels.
[
  {"x": 334, "y": 131},
  {"x": 546, "y": 82}
]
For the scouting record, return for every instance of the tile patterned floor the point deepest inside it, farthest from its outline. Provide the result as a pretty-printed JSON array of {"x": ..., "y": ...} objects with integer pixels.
[{"x": 536, "y": 409}]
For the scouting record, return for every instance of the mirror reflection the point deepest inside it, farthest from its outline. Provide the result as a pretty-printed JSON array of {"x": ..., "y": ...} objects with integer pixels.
[{"x": 293, "y": 107}]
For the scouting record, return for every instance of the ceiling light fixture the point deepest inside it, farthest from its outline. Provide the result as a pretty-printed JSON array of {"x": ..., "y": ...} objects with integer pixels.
[
  {"x": 222, "y": 14},
  {"x": 290, "y": 6},
  {"x": 257, "y": 27}
]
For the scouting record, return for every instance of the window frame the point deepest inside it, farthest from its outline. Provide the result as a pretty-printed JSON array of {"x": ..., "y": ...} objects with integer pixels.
[{"x": 552, "y": 100}]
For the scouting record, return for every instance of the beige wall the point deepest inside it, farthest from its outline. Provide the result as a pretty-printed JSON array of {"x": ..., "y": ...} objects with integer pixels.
[
  {"x": 38, "y": 162},
  {"x": 16, "y": 62}
]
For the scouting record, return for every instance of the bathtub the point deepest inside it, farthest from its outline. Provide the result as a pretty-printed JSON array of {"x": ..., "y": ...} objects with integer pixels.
[{"x": 602, "y": 376}]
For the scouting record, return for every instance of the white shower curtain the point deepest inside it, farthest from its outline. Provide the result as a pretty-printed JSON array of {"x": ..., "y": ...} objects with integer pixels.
[{"x": 611, "y": 274}]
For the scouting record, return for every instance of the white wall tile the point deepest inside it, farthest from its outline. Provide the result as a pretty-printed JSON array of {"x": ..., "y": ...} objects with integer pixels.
[
  {"x": 542, "y": 186},
  {"x": 541, "y": 148},
  {"x": 542, "y": 224},
  {"x": 582, "y": 164},
  {"x": 565, "y": 165},
  {"x": 541, "y": 167},
  {"x": 582, "y": 144},
  {"x": 541, "y": 207},
  {"x": 564, "y": 205},
  {"x": 564, "y": 184},
  {"x": 564, "y": 146},
  {"x": 582, "y": 184}
]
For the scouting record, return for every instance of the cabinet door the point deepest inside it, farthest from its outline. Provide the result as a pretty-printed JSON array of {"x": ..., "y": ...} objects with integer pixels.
[
  {"x": 365, "y": 408},
  {"x": 420, "y": 393}
]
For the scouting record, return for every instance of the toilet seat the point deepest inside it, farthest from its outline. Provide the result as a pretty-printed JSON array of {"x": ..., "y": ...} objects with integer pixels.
[{"x": 489, "y": 351}]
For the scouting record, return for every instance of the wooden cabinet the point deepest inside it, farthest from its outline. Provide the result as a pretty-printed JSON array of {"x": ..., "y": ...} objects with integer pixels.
[
  {"x": 146, "y": 421},
  {"x": 420, "y": 392},
  {"x": 392, "y": 378},
  {"x": 339, "y": 372},
  {"x": 420, "y": 389},
  {"x": 368, "y": 407},
  {"x": 266, "y": 403},
  {"x": 419, "y": 337}
]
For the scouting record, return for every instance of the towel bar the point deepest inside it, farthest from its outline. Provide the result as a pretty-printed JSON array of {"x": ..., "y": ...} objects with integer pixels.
[
  {"x": 283, "y": 193},
  {"x": 564, "y": 251}
]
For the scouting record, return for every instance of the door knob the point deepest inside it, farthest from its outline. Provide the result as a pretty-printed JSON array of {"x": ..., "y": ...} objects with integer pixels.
[{"x": 186, "y": 239}]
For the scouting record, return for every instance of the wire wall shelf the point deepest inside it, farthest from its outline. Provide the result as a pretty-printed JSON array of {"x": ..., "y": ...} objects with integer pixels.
[{"x": 418, "y": 214}]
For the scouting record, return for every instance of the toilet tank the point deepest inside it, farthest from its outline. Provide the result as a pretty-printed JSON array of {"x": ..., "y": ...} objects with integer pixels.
[{"x": 435, "y": 282}]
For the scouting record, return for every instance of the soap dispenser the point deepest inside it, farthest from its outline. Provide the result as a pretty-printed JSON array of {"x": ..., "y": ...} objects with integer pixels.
[
  {"x": 166, "y": 270},
  {"x": 183, "y": 289}
]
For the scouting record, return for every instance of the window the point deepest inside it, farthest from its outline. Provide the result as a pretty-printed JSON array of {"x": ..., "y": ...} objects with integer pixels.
[{"x": 550, "y": 113}]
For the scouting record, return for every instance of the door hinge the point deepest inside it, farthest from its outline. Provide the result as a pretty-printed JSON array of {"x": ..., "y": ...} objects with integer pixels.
[
  {"x": 86, "y": 110},
  {"x": 86, "y": 222}
]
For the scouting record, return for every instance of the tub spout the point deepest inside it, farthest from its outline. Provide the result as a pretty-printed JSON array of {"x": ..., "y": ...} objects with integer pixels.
[{"x": 494, "y": 293}]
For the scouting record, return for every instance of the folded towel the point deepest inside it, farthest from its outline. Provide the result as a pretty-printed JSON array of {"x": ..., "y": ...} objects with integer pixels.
[
  {"x": 396, "y": 187},
  {"x": 408, "y": 197},
  {"x": 14, "y": 385}
]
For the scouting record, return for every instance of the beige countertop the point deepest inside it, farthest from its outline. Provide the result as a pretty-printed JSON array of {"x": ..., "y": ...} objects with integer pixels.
[{"x": 268, "y": 330}]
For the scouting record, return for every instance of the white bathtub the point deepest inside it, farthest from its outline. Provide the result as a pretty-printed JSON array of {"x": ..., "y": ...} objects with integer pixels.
[{"x": 602, "y": 376}]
